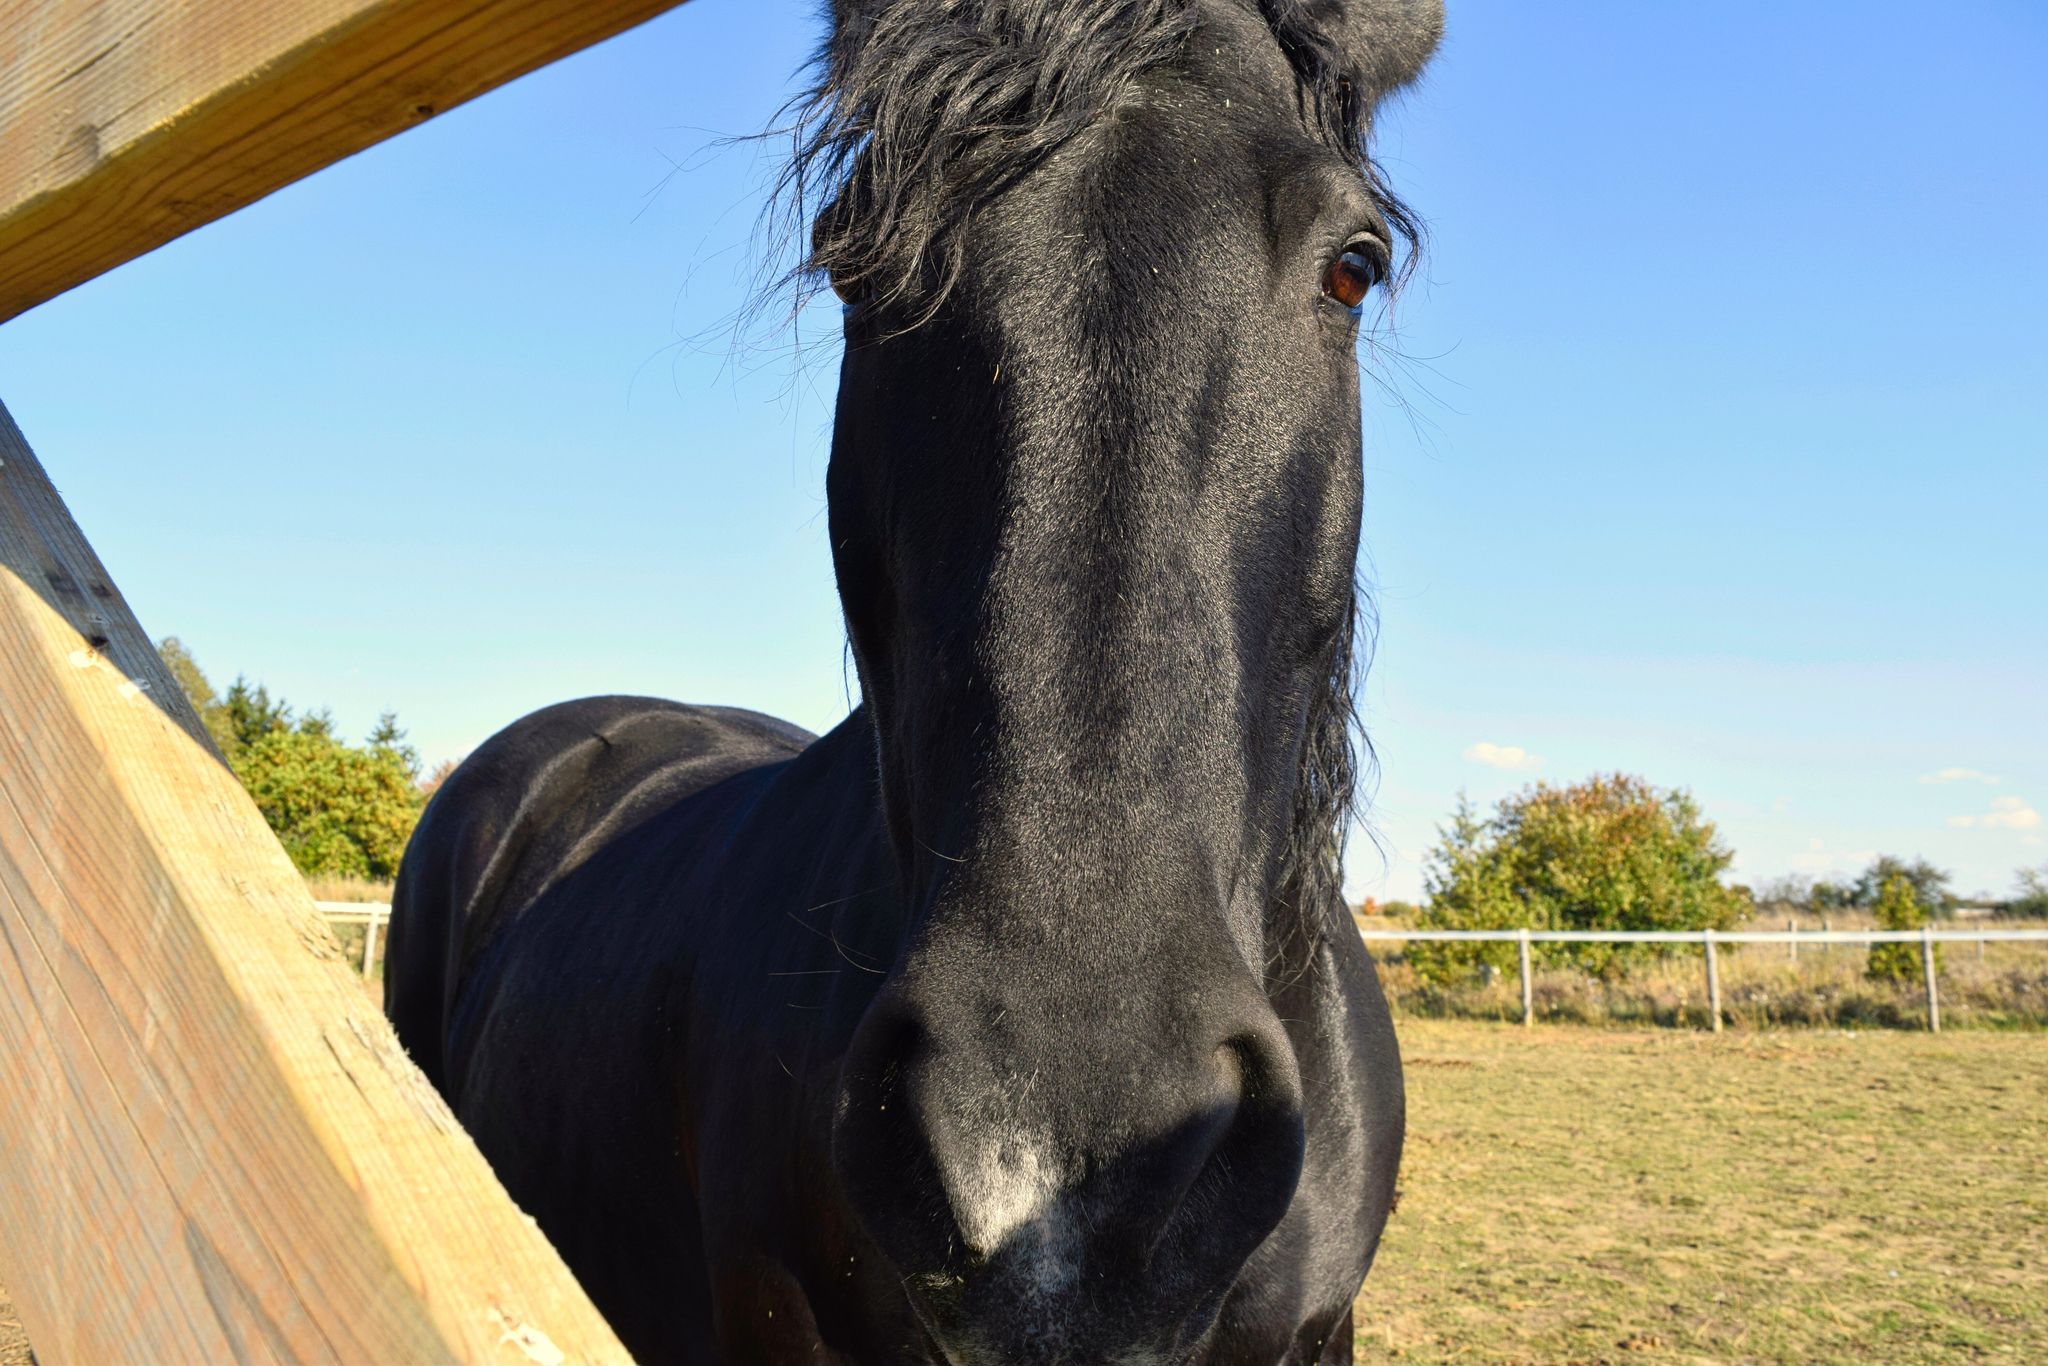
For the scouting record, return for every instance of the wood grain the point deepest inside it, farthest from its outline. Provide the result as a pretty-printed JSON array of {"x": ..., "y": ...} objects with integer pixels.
[
  {"x": 213, "y": 1148},
  {"x": 126, "y": 123}
]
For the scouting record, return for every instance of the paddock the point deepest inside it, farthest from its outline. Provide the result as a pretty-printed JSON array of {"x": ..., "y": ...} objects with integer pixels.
[
  {"x": 1576, "y": 1194},
  {"x": 1581, "y": 1194}
]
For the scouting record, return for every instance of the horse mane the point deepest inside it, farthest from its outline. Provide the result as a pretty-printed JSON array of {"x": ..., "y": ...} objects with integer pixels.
[
  {"x": 1326, "y": 795},
  {"x": 920, "y": 110}
]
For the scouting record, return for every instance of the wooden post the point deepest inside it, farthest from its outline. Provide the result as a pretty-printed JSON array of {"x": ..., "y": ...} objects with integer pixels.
[
  {"x": 369, "y": 944},
  {"x": 1791, "y": 941},
  {"x": 1825, "y": 947},
  {"x": 1528, "y": 988},
  {"x": 213, "y": 1148},
  {"x": 1927, "y": 971},
  {"x": 126, "y": 123},
  {"x": 1713, "y": 982}
]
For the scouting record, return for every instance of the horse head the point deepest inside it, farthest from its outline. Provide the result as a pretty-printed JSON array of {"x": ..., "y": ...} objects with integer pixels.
[{"x": 1095, "y": 493}]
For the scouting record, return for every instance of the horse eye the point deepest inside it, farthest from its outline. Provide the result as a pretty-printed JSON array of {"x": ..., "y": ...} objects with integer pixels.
[{"x": 1351, "y": 277}]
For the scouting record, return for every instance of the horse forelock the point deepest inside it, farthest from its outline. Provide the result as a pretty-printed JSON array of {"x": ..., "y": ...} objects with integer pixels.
[{"x": 921, "y": 110}]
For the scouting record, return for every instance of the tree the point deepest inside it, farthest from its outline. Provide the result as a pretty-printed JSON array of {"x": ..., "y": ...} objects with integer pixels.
[
  {"x": 431, "y": 784},
  {"x": 1611, "y": 853},
  {"x": 2030, "y": 893},
  {"x": 339, "y": 810},
  {"x": 389, "y": 738},
  {"x": 250, "y": 715},
  {"x": 1830, "y": 896},
  {"x": 1929, "y": 884},
  {"x": 198, "y": 691},
  {"x": 1898, "y": 907},
  {"x": 1787, "y": 895}
]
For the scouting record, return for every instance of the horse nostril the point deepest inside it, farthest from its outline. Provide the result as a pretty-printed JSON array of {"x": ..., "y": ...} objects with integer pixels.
[
  {"x": 1259, "y": 1057},
  {"x": 999, "y": 1175},
  {"x": 879, "y": 1148},
  {"x": 1246, "y": 1153},
  {"x": 885, "y": 1047}
]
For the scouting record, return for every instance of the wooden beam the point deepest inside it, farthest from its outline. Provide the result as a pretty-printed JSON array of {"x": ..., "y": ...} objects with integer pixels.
[
  {"x": 126, "y": 123},
  {"x": 212, "y": 1147}
]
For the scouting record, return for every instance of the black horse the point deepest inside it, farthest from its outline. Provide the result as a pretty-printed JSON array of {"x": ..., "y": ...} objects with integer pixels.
[{"x": 1018, "y": 1019}]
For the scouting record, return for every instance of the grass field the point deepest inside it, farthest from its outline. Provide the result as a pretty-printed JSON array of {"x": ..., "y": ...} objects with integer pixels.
[
  {"x": 1606, "y": 1195},
  {"x": 1584, "y": 1195}
]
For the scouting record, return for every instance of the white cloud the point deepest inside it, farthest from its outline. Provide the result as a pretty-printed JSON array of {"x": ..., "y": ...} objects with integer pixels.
[
  {"x": 1818, "y": 858},
  {"x": 1780, "y": 805},
  {"x": 2013, "y": 813},
  {"x": 1502, "y": 756},
  {"x": 2006, "y": 813},
  {"x": 1959, "y": 775}
]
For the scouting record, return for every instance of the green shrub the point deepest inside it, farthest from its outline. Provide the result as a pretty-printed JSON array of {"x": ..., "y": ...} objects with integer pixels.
[
  {"x": 1899, "y": 908},
  {"x": 1611, "y": 853},
  {"x": 1927, "y": 883},
  {"x": 340, "y": 810},
  {"x": 2030, "y": 893}
]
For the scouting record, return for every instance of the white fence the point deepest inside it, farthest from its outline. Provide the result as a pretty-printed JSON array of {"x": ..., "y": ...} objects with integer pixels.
[
  {"x": 375, "y": 916},
  {"x": 371, "y": 915},
  {"x": 1711, "y": 939}
]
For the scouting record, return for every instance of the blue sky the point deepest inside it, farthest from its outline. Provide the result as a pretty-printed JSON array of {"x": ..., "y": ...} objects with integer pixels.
[{"x": 1712, "y": 447}]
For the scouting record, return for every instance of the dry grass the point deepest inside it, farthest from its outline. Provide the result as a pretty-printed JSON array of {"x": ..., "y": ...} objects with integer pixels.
[
  {"x": 350, "y": 937},
  {"x": 2005, "y": 986},
  {"x": 348, "y": 889},
  {"x": 1575, "y": 1195},
  {"x": 14, "y": 1348}
]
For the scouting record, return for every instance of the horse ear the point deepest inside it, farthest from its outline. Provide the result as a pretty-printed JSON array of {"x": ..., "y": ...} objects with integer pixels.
[{"x": 1388, "y": 41}]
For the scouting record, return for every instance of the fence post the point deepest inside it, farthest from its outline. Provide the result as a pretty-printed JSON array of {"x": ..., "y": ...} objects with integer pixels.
[
  {"x": 369, "y": 943},
  {"x": 1825, "y": 947},
  {"x": 1528, "y": 993},
  {"x": 1791, "y": 944},
  {"x": 1927, "y": 971},
  {"x": 1713, "y": 981}
]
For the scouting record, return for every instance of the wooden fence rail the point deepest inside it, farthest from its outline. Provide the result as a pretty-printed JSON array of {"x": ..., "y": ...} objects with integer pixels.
[
  {"x": 1710, "y": 941},
  {"x": 130, "y": 122}
]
